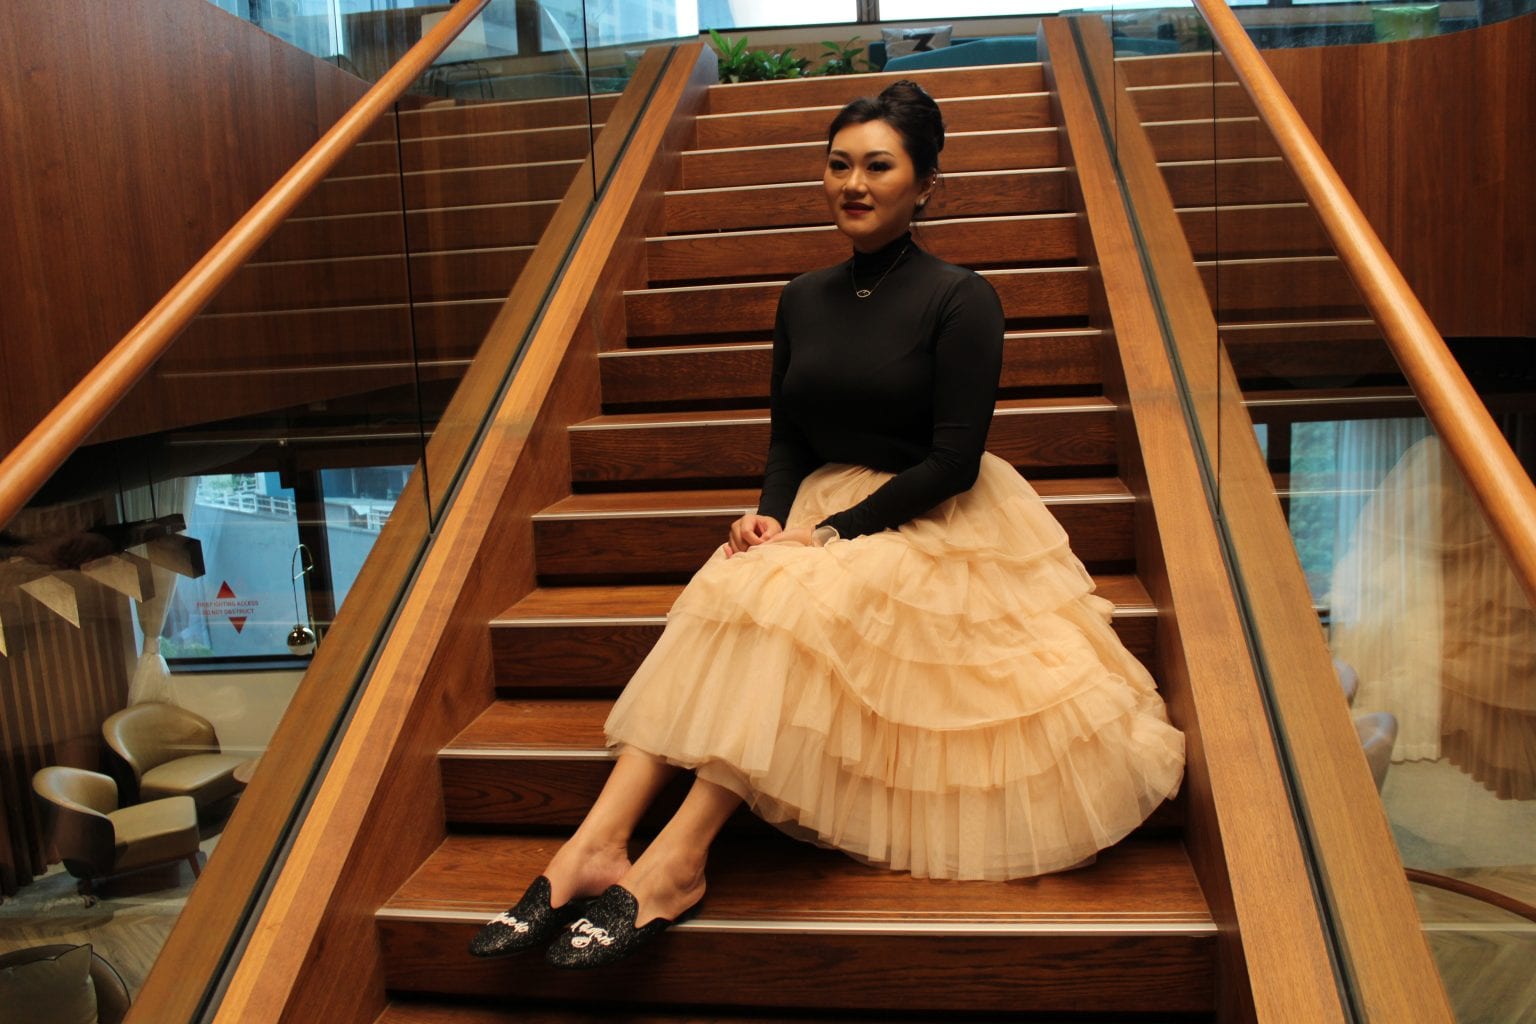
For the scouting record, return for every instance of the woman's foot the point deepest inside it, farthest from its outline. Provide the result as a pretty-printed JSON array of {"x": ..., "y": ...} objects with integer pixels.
[
  {"x": 666, "y": 881},
  {"x": 582, "y": 869}
]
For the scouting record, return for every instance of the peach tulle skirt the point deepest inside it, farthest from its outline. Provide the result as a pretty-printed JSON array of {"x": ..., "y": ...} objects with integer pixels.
[{"x": 946, "y": 698}]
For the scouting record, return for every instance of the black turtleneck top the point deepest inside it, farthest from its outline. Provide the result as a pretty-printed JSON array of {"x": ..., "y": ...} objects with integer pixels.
[{"x": 903, "y": 381}]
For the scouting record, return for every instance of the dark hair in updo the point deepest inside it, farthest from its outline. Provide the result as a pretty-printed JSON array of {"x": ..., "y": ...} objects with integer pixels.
[{"x": 907, "y": 108}]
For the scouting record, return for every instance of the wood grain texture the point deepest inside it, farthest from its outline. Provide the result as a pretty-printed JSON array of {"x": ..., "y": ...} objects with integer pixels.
[
  {"x": 539, "y": 764},
  {"x": 1204, "y": 139},
  {"x": 799, "y": 161},
  {"x": 732, "y": 446},
  {"x": 794, "y": 204},
  {"x": 738, "y": 373},
  {"x": 1034, "y": 293},
  {"x": 106, "y": 383},
  {"x": 1345, "y": 814},
  {"x": 1272, "y": 957},
  {"x": 806, "y": 124},
  {"x": 974, "y": 242},
  {"x": 572, "y": 639},
  {"x": 1431, "y": 137},
  {"x": 845, "y": 962},
  {"x": 515, "y": 115},
  {"x": 96, "y": 209},
  {"x": 668, "y": 535},
  {"x": 1501, "y": 485},
  {"x": 378, "y": 811}
]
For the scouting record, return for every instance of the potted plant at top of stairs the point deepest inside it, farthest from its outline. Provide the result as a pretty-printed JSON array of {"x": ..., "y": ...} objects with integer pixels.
[{"x": 739, "y": 64}]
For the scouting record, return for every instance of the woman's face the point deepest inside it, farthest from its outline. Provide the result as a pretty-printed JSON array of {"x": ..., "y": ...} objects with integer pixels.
[{"x": 872, "y": 187}]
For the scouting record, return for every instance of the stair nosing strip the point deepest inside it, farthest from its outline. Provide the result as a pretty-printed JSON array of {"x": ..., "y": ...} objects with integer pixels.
[
  {"x": 816, "y": 183},
  {"x": 837, "y": 106},
  {"x": 1125, "y": 610},
  {"x": 528, "y": 753},
  {"x": 767, "y": 346},
  {"x": 1391, "y": 398},
  {"x": 1028, "y": 410},
  {"x": 1192, "y": 926},
  {"x": 810, "y": 229},
  {"x": 949, "y": 137},
  {"x": 548, "y": 621},
  {"x": 1264, "y": 325},
  {"x": 1201, "y": 120},
  {"x": 716, "y": 510}
]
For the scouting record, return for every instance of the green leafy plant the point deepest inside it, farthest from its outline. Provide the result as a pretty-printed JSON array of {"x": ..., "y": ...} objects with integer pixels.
[
  {"x": 739, "y": 64},
  {"x": 838, "y": 58}
]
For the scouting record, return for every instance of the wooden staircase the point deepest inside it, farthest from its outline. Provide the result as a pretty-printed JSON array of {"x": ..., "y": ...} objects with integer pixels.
[{"x": 673, "y": 457}]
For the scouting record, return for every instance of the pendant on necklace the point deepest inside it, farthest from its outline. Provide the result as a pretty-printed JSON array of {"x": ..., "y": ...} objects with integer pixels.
[{"x": 864, "y": 293}]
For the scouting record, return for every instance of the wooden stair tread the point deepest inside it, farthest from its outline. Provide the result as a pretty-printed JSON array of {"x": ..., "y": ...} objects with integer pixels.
[
  {"x": 553, "y": 605},
  {"x": 804, "y": 124},
  {"x": 1006, "y": 407},
  {"x": 991, "y": 149},
  {"x": 1006, "y": 239},
  {"x": 719, "y": 501},
  {"x": 412, "y": 1012},
  {"x": 738, "y": 372},
  {"x": 1142, "y": 884},
  {"x": 941, "y": 83}
]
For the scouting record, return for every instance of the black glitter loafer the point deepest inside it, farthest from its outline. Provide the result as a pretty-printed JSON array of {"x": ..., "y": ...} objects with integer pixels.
[
  {"x": 606, "y": 932},
  {"x": 529, "y": 924}
]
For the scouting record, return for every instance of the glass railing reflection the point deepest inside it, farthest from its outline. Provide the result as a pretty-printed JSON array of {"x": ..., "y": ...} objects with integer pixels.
[
  {"x": 1429, "y": 629},
  {"x": 162, "y": 598}
]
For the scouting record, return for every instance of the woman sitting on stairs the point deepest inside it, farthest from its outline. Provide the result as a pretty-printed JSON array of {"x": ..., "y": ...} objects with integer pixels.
[{"x": 897, "y": 654}]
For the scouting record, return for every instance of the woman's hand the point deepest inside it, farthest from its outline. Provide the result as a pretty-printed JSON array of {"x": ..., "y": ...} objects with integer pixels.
[
  {"x": 799, "y": 535},
  {"x": 751, "y": 530}
]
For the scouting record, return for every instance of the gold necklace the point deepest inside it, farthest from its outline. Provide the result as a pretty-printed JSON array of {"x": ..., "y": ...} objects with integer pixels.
[{"x": 865, "y": 293}]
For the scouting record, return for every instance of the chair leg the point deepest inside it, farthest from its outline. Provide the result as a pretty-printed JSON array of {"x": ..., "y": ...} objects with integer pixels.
[
  {"x": 197, "y": 867},
  {"x": 86, "y": 887}
]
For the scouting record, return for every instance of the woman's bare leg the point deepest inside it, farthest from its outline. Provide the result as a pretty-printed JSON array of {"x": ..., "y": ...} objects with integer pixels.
[
  {"x": 597, "y": 855},
  {"x": 669, "y": 877}
]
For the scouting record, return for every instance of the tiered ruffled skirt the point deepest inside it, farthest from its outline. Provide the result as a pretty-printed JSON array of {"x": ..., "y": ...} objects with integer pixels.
[{"x": 947, "y": 698}]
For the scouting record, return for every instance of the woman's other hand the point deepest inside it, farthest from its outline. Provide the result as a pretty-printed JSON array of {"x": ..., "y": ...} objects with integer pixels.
[
  {"x": 799, "y": 535},
  {"x": 751, "y": 530}
]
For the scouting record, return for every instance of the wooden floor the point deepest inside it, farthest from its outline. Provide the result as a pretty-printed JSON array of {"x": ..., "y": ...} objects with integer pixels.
[{"x": 128, "y": 926}]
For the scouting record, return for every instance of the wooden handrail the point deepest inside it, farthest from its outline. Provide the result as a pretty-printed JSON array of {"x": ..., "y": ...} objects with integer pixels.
[
  {"x": 1494, "y": 474},
  {"x": 65, "y": 428}
]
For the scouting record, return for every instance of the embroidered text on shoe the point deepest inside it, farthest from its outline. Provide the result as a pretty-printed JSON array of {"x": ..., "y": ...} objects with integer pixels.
[
  {"x": 506, "y": 918},
  {"x": 587, "y": 933}
]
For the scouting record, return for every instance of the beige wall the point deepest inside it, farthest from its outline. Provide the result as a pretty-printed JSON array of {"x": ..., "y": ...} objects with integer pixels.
[{"x": 244, "y": 707}]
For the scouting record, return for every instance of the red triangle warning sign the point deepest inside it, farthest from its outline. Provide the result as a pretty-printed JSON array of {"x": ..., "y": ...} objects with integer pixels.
[
  {"x": 226, "y": 593},
  {"x": 238, "y": 621}
]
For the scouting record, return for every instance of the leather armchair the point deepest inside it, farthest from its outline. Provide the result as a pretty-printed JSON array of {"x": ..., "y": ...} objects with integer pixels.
[
  {"x": 173, "y": 752},
  {"x": 96, "y": 839}
]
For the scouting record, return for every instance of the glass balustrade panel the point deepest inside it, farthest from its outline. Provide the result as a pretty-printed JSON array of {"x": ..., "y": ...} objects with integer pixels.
[
  {"x": 249, "y": 515},
  {"x": 1426, "y": 625}
]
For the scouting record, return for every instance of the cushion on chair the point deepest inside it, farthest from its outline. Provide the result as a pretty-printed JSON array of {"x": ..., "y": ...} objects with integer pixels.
[
  {"x": 208, "y": 778},
  {"x": 148, "y": 735},
  {"x": 77, "y": 789},
  {"x": 155, "y": 832},
  {"x": 54, "y": 989}
]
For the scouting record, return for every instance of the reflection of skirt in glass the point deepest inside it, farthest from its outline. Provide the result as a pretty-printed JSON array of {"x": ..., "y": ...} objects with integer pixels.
[{"x": 946, "y": 698}]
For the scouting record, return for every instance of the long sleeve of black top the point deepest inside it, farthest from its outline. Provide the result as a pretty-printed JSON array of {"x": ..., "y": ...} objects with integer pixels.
[{"x": 903, "y": 381}]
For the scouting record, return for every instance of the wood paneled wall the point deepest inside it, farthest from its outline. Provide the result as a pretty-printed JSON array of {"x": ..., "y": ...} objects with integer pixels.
[
  {"x": 1434, "y": 138},
  {"x": 57, "y": 684},
  {"x": 134, "y": 136}
]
